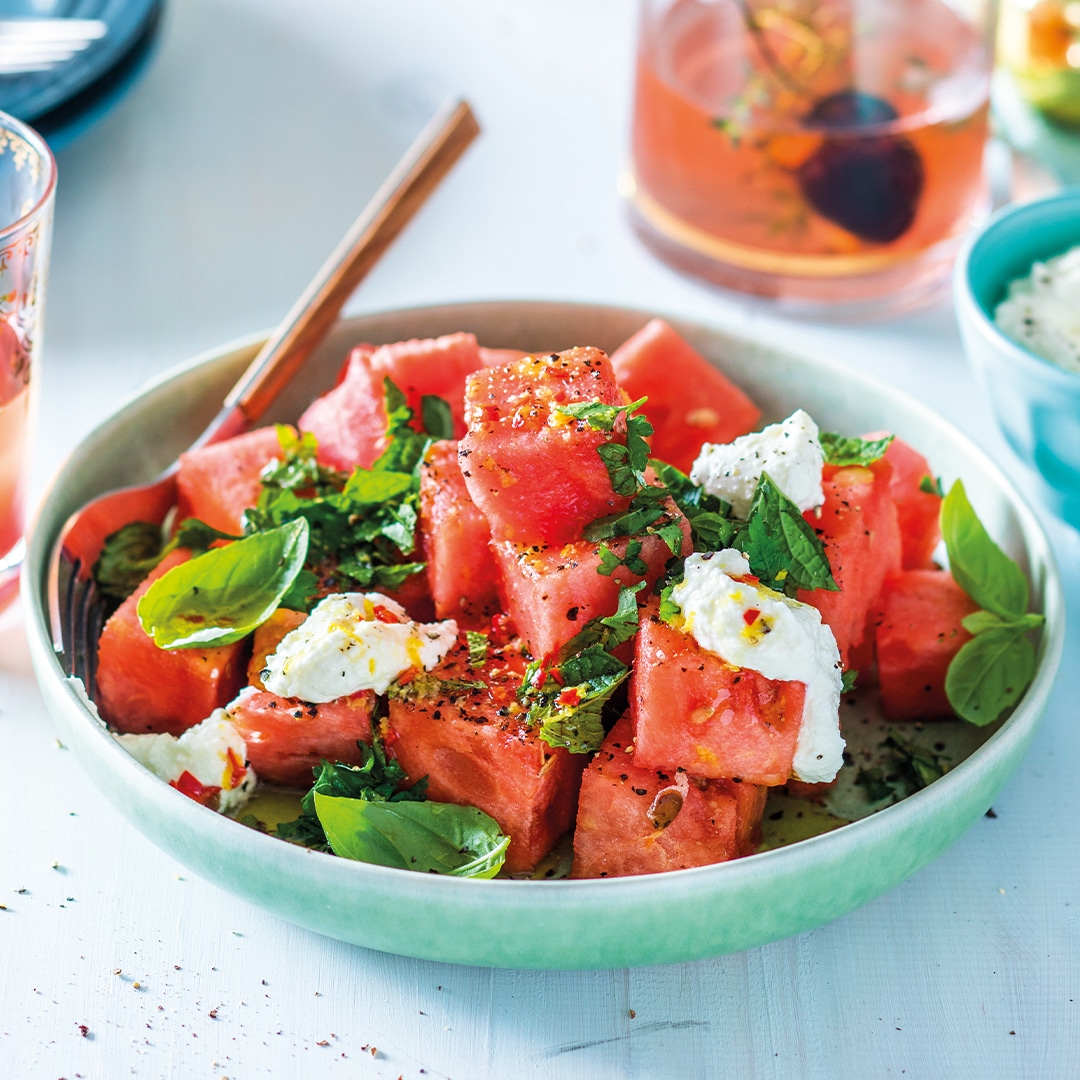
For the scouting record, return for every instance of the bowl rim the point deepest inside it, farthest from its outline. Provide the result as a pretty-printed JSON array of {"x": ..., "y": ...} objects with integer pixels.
[
  {"x": 703, "y": 882},
  {"x": 973, "y": 314}
]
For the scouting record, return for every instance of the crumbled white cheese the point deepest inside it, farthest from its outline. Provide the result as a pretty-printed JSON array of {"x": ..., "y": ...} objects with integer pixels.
[
  {"x": 352, "y": 642},
  {"x": 790, "y": 452},
  {"x": 203, "y": 751},
  {"x": 787, "y": 641},
  {"x": 1042, "y": 310}
]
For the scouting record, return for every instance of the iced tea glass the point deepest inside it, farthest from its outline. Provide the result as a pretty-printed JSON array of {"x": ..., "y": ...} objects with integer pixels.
[
  {"x": 827, "y": 153},
  {"x": 27, "y": 187}
]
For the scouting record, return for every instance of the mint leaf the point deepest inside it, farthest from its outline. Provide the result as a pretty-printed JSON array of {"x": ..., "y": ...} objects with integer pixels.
[
  {"x": 566, "y": 696},
  {"x": 847, "y": 681},
  {"x": 223, "y": 595},
  {"x": 478, "y": 647},
  {"x": 931, "y": 485},
  {"x": 989, "y": 674},
  {"x": 437, "y": 418},
  {"x": 127, "y": 557},
  {"x": 429, "y": 837},
  {"x": 783, "y": 550},
  {"x": 850, "y": 450},
  {"x": 610, "y": 561},
  {"x": 625, "y": 464},
  {"x": 993, "y": 580}
]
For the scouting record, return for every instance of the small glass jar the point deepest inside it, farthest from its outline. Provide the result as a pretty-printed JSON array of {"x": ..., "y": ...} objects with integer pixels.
[{"x": 827, "y": 153}]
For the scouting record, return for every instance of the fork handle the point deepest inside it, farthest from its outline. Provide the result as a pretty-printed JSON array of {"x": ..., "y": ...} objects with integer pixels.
[{"x": 426, "y": 162}]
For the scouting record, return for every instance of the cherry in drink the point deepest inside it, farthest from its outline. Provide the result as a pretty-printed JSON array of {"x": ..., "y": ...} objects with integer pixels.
[{"x": 824, "y": 153}]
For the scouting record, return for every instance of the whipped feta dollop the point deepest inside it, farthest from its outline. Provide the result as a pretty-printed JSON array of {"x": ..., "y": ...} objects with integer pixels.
[
  {"x": 352, "y": 642},
  {"x": 213, "y": 752},
  {"x": 1042, "y": 311},
  {"x": 790, "y": 452},
  {"x": 786, "y": 641}
]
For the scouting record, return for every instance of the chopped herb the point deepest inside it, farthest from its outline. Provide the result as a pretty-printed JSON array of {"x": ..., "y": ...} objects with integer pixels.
[
  {"x": 625, "y": 463},
  {"x": 847, "y": 683},
  {"x": 478, "y": 647},
  {"x": 931, "y": 485},
  {"x": 851, "y": 450},
  {"x": 437, "y": 418},
  {"x": 610, "y": 561},
  {"x": 566, "y": 696}
]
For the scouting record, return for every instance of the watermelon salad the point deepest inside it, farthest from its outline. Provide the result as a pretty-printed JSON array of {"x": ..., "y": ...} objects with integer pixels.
[{"x": 483, "y": 612}]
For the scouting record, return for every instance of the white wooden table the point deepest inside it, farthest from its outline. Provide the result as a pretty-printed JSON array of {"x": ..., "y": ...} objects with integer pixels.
[{"x": 195, "y": 213}]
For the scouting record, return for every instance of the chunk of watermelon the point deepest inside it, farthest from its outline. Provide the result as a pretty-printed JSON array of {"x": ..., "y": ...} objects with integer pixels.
[
  {"x": 461, "y": 572},
  {"x": 431, "y": 366},
  {"x": 142, "y": 688},
  {"x": 551, "y": 592},
  {"x": 217, "y": 483},
  {"x": 636, "y": 820},
  {"x": 349, "y": 421},
  {"x": 534, "y": 471},
  {"x": 918, "y": 511},
  {"x": 475, "y": 751},
  {"x": 920, "y": 632},
  {"x": 692, "y": 710},
  {"x": 690, "y": 401},
  {"x": 858, "y": 525},
  {"x": 286, "y": 738},
  {"x": 267, "y": 638}
]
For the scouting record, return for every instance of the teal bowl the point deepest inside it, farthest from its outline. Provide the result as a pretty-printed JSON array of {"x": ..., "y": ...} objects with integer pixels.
[
  {"x": 654, "y": 919},
  {"x": 1036, "y": 403}
]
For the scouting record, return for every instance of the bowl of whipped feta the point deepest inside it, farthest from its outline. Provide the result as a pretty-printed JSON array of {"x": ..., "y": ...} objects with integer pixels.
[{"x": 1017, "y": 297}]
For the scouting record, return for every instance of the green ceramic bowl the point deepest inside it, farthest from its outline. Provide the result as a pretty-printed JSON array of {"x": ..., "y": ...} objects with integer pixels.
[{"x": 655, "y": 919}]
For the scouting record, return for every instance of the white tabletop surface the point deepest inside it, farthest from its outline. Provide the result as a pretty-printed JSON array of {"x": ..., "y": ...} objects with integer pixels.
[{"x": 195, "y": 213}]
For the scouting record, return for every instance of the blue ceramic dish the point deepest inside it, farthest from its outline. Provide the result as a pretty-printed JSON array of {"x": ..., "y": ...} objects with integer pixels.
[{"x": 1036, "y": 403}]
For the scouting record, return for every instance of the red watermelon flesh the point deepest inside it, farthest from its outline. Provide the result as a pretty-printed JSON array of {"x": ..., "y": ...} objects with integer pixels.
[
  {"x": 267, "y": 638},
  {"x": 533, "y": 471},
  {"x": 217, "y": 483},
  {"x": 920, "y": 632},
  {"x": 858, "y": 525},
  {"x": 349, "y": 421},
  {"x": 636, "y": 820},
  {"x": 690, "y": 401},
  {"x": 461, "y": 572},
  {"x": 475, "y": 751},
  {"x": 918, "y": 511},
  {"x": 286, "y": 738},
  {"x": 437, "y": 366},
  {"x": 552, "y": 591},
  {"x": 692, "y": 710},
  {"x": 141, "y": 688}
]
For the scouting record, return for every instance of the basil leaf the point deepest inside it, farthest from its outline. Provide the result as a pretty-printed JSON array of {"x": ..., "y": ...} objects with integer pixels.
[
  {"x": 978, "y": 622},
  {"x": 783, "y": 550},
  {"x": 978, "y": 565},
  {"x": 437, "y": 418},
  {"x": 850, "y": 450},
  {"x": 220, "y": 597},
  {"x": 989, "y": 674},
  {"x": 426, "y": 836}
]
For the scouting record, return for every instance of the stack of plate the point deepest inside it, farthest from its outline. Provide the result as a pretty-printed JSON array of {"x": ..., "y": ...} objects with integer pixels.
[{"x": 64, "y": 102}]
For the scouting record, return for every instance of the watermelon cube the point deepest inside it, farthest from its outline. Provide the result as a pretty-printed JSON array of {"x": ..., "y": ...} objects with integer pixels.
[
  {"x": 286, "y": 738},
  {"x": 858, "y": 525},
  {"x": 690, "y": 401},
  {"x": 461, "y": 572},
  {"x": 141, "y": 688},
  {"x": 534, "y": 471},
  {"x": 474, "y": 749},
  {"x": 435, "y": 366},
  {"x": 920, "y": 630},
  {"x": 217, "y": 483},
  {"x": 918, "y": 511},
  {"x": 634, "y": 819},
  {"x": 551, "y": 592},
  {"x": 692, "y": 710}
]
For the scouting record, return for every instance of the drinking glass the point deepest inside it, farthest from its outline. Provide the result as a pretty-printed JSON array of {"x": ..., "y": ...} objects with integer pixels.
[
  {"x": 827, "y": 153},
  {"x": 27, "y": 187}
]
